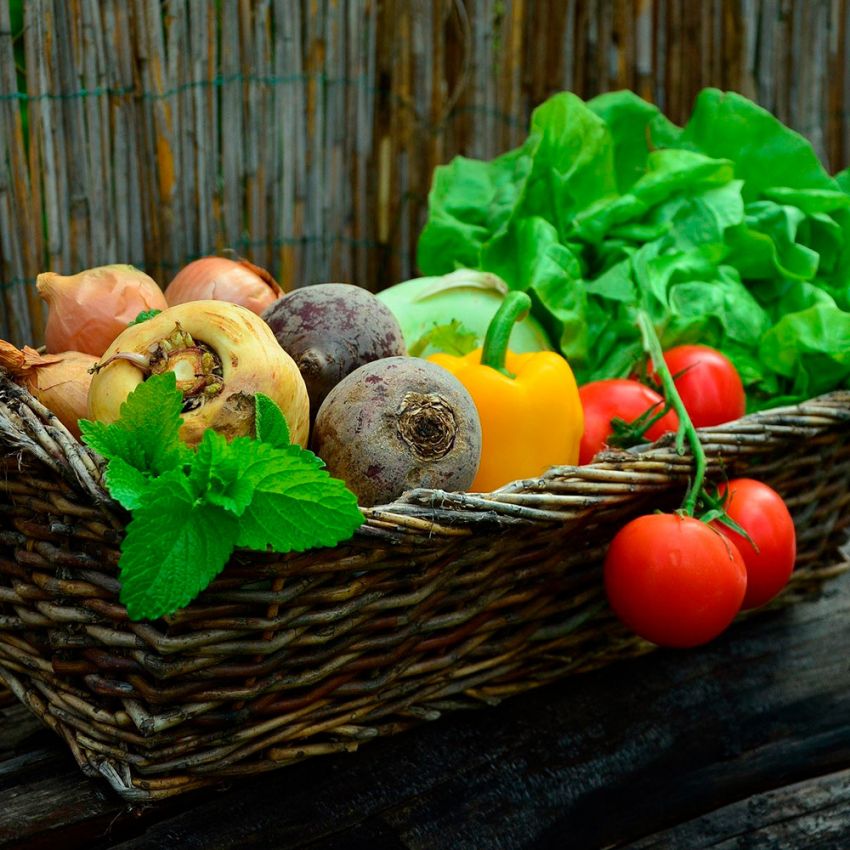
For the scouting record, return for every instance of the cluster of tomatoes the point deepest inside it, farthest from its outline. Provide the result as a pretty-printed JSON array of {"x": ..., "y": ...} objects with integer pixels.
[{"x": 674, "y": 579}]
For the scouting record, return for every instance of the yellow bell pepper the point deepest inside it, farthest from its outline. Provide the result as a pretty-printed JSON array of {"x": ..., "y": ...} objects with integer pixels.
[{"x": 529, "y": 406}]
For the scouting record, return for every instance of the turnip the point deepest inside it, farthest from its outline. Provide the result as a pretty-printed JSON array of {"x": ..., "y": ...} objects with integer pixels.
[
  {"x": 396, "y": 424},
  {"x": 330, "y": 329},
  {"x": 221, "y": 355}
]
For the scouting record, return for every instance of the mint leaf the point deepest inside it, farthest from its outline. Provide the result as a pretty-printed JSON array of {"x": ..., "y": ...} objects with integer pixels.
[
  {"x": 219, "y": 471},
  {"x": 187, "y": 505},
  {"x": 296, "y": 504},
  {"x": 146, "y": 434},
  {"x": 452, "y": 338},
  {"x": 144, "y": 316},
  {"x": 269, "y": 422},
  {"x": 175, "y": 546},
  {"x": 126, "y": 484}
]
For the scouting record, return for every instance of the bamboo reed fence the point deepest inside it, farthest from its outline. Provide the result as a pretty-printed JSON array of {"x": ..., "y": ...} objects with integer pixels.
[{"x": 302, "y": 134}]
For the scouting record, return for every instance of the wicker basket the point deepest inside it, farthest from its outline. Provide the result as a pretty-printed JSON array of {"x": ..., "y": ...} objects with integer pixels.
[{"x": 441, "y": 601}]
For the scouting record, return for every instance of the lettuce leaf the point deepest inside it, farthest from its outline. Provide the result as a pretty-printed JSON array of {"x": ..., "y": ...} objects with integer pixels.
[{"x": 729, "y": 229}]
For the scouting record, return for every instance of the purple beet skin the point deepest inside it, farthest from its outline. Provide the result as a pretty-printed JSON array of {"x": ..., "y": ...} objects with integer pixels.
[
  {"x": 331, "y": 329},
  {"x": 397, "y": 424}
]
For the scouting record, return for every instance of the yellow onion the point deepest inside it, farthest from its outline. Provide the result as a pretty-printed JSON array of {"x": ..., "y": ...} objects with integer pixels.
[
  {"x": 88, "y": 310},
  {"x": 222, "y": 279},
  {"x": 59, "y": 381},
  {"x": 221, "y": 354}
]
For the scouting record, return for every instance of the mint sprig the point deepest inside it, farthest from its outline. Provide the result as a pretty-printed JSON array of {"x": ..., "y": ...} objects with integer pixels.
[
  {"x": 296, "y": 504},
  {"x": 146, "y": 434},
  {"x": 176, "y": 544},
  {"x": 144, "y": 316},
  {"x": 126, "y": 483},
  {"x": 270, "y": 423},
  {"x": 190, "y": 509}
]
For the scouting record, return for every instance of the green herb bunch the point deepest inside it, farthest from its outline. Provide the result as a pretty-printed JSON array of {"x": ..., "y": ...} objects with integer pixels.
[{"x": 191, "y": 508}]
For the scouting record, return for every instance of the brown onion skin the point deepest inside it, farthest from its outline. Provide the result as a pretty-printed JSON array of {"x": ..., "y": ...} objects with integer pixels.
[
  {"x": 59, "y": 381},
  {"x": 223, "y": 279},
  {"x": 331, "y": 329},
  {"x": 89, "y": 309},
  {"x": 63, "y": 388}
]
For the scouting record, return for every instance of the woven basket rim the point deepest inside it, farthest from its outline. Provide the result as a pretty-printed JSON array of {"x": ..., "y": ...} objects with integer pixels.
[
  {"x": 562, "y": 492},
  {"x": 570, "y": 492}
]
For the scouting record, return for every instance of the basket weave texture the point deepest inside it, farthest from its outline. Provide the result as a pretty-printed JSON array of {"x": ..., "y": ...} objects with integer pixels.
[{"x": 440, "y": 601}]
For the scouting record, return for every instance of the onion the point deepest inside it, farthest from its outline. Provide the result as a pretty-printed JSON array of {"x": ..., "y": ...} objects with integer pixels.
[
  {"x": 59, "y": 381},
  {"x": 222, "y": 279},
  {"x": 88, "y": 310}
]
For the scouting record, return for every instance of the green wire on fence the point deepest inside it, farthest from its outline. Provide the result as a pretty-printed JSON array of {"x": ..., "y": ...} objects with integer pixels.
[{"x": 222, "y": 80}]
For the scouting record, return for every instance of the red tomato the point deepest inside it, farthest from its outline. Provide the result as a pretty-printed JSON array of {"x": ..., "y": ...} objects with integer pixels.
[
  {"x": 603, "y": 401},
  {"x": 760, "y": 511},
  {"x": 708, "y": 383},
  {"x": 674, "y": 580}
]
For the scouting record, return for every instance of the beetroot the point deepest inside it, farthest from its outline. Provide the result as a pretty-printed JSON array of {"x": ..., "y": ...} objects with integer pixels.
[
  {"x": 396, "y": 424},
  {"x": 329, "y": 330}
]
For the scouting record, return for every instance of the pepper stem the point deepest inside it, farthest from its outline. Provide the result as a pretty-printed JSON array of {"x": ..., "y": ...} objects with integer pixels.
[
  {"x": 652, "y": 345},
  {"x": 514, "y": 308}
]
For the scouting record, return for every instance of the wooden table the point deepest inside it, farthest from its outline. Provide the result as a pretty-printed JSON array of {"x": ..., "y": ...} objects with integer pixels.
[{"x": 745, "y": 743}]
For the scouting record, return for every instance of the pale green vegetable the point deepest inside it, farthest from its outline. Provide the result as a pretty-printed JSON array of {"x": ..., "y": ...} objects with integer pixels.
[{"x": 467, "y": 297}]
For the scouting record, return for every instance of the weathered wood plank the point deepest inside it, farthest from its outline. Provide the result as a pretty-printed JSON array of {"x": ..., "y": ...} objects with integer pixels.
[
  {"x": 96, "y": 134},
  {"x": 231, "y": 128},
  {"x": 46, "y": 802},
  {"x": 22, "y": 313},
  {"x": 72, "y": 137},
  {"x": 145, "y": 122},
  {"x": 16, "y": 725},
  {"x": 288, "y": 63},
  {"x": 40, "y": 807},
  {"x": 180, "y": 98},
  {"x": 252, "y": 33},
  {"x": 41, "y": 115},
  {"x": 809, "y": 814}
]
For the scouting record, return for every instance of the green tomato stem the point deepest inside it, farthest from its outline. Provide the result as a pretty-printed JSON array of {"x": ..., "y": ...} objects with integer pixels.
[
  {"x": 652, "y": 346},
  {"x": 514, "y": 308}
]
